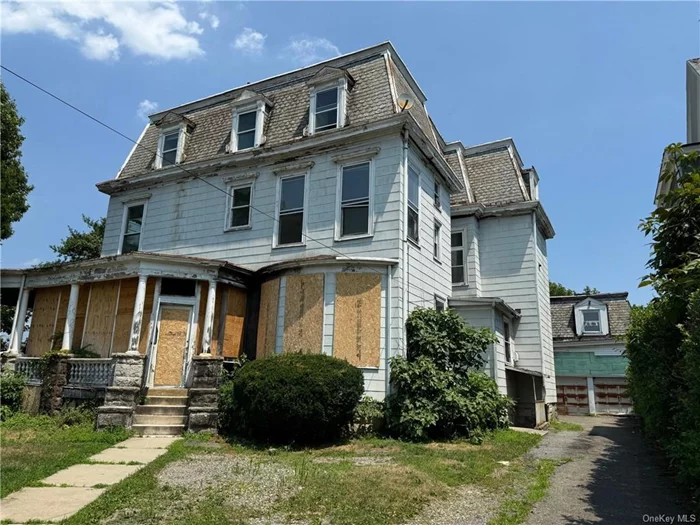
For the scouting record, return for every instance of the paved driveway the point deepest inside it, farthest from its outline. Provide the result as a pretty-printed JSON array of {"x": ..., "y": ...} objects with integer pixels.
[{"x": 613, "y": 477}]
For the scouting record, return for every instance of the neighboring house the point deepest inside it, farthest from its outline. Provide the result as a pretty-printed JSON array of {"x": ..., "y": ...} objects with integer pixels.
[
  {"x": 588, "y": 332},
  {"x": 306, "y": 212}
]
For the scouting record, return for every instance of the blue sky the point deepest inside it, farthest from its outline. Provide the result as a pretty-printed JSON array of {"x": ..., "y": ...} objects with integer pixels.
[{"x": 590, "y": 92}]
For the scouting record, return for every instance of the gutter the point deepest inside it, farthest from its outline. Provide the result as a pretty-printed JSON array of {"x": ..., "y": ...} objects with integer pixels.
[{"x": 504, "y": 210}]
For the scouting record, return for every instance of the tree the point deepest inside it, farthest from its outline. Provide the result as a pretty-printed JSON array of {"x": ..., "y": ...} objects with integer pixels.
[
  {"x": 587, "y": 290},
  {"x": 559, "y": 289},
  {"x": 14, "y": 185},
  {"x": 79, "y": 246}
]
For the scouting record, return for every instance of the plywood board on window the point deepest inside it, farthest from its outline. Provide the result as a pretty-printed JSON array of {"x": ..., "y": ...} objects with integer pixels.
[
  {"x": 125, "y": 315},
  {"x": 83, "y": 295},
  {"x": 200, "y": 318},
  {"x": 61, "y": 317},
  {"x": 303, "y": 314},
  {"x": 43, "y": 323},
  {"x": 172, "y": 340},
  {"x": 357, "y": 324},
  {"x": 99, "y": 323},
  {"x": 236, "y": 300},
  {"x": 267, "y": 320}
]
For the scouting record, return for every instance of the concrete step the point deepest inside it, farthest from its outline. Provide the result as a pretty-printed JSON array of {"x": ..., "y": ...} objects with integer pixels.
[
  {"x": 161, "y": 392},
  {"x": 147, "y": 419},
  {"x": 166, "y": 400},
  {"x": 158, "y": 430},
  {"x": 161, "y": 410}
]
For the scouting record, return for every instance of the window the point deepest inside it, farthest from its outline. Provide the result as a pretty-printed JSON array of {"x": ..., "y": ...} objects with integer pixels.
[
  {"x": 437, "y": 195},
  {"x": 506, "y": 342},
  {"x": 436, "y": 241},
  {"x": 291, "y": 210},
  {"x": 326, "y": 109},
  {"x": 169, "y": 148},
  {"x": 413, "y": 204},
  {"x": 240, "y": 210},
  {"x": 133, "y": 221},
  {"x": 245, "y": 130},
  {"x": 355, "y": 200},
  {"x": 439, "y": 304},
  {"x": 458, "y": 258},
  {"x": 591, "y": 322}
]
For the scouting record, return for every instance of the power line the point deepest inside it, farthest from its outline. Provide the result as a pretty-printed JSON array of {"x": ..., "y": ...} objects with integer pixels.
[{"x": 194, "y": 175}]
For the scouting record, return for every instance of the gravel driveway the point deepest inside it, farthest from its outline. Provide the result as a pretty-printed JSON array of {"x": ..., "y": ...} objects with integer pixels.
[{"x": 612, "y": 477}]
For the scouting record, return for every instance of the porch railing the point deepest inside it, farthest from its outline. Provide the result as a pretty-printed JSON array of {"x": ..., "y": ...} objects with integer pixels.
[
  {"x": 90, "y": 372},
  {"x": 29, "y": 368}
]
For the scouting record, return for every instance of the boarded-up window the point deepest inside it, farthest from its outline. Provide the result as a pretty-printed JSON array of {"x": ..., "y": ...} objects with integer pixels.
[
  {"x": 125, "y": 315},
  {"x": 357, "y": 325},
  {"x": 43, "y": 325},
  {"x": 62, "y": 314},
  {"x": 232, "y": 337},
  {"x": 303, "y": 314},
  {"x": 83, "y": 296},
  {"x": 267, "y": 320},
  {"x": 100, "y": 317}
]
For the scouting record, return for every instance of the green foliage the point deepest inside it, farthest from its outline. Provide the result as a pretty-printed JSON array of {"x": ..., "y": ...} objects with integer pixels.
[
  {"x": 11, "y": 388},
  {"x": 437, "y": 390},
  {"x": 79, "y": 245},
  {"x": 369, "y": 417},
  {"x": 14, "y": 186},
  {"x": 293, "y": 398},
  {"x": 588, "y": 290},
  {"x": 557, "y": 289}
]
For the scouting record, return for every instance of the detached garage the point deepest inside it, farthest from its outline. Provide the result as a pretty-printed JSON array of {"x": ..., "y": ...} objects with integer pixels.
[{"x": 590, "y": 365}]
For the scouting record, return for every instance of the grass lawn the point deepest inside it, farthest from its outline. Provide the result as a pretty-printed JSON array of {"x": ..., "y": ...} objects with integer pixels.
[
  {"x": 557, "y": 425},
  {"x": 34, "y": 447},
  {"x": 204, "y": 480}
]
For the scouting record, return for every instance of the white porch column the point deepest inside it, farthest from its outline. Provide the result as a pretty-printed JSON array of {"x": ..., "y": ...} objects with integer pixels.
[
  {"x": 138, "y": 316},
  {"x": 591, "y": 395},
  {"x": 18, "y": 327},
  {"x": 209, "y": 318},
  {"x": 69, "y": 327}
]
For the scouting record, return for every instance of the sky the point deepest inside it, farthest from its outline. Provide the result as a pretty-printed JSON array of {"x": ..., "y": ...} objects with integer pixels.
[{"x": 590, "y": 92}]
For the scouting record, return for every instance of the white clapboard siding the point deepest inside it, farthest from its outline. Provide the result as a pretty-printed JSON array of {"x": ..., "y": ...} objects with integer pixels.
[{"x": 545, "y": 320}]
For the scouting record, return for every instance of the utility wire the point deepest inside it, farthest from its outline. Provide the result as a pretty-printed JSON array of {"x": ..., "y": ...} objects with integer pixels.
[{"x": 194, "y": 175}]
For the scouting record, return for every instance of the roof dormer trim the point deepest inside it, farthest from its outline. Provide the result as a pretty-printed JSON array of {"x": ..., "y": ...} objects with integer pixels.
[{"x": 587, "y": 327}]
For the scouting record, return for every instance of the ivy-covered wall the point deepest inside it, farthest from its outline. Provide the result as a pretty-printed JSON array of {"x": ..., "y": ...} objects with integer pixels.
[{"x": 588, "y": 364}]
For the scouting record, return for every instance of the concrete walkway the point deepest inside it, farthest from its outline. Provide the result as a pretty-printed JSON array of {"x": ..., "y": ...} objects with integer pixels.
[
  {"x": 612, "y": 478},
  {"x": 75, "y": 487}
]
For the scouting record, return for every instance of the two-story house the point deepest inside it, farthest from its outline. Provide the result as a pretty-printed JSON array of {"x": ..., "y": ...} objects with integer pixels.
[{"x": 310, "y": 212}]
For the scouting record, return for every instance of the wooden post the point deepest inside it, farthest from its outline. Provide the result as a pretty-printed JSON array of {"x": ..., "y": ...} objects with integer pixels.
[
  {"x": 208, "y": 327},
  {"x": 138, "y": 316},
  {"x": 18, "y": 327},
  {"x": 72, "y": 313}
]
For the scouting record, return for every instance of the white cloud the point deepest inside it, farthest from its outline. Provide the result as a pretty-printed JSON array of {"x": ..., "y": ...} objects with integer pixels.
[
  {"x": 146, "y": 107},
  {"x": 31, "y": 262},
  {"x": 307, "y": 50},
  {"x": 211, "y": 18},
  {"x": 157, "y": 30},
  {"x": 250, "y": 41}
]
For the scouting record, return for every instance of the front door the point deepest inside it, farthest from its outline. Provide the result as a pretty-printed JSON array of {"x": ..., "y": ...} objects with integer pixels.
[{"x": 171, "y": 345}]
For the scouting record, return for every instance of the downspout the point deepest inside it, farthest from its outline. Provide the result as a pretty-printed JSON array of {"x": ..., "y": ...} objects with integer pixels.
[{"x": 404, "y": 256}]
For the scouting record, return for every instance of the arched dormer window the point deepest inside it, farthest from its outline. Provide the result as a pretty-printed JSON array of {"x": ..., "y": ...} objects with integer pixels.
[{"x": 591, "y": 318}]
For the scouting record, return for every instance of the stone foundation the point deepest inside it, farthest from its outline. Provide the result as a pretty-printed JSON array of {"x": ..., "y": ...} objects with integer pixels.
[
  {"x": 55, "y": 379},
  {"x": 122, "y": 398},
  {"x": 203, "y": 402}
]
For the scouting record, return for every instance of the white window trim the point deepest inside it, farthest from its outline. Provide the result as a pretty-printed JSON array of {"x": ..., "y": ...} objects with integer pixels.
[
  {"x": 437, "y": 225},
  {"x": 411, "y": 166},
  {"x": 437, "y": 198},
  {"x": 259, "y": 108},
  {"x": 127, "y": 205},
  {"x": 342, "y": 86},
  {"x": 463, "y": 231},
  {"x": 339, "y": 195},
  {"x": 510, "y": 340},
  {"x": 600, "y": 322},
  {"x": 440, "y": 299},
  {"x": 305, "y": 218},
  {"x": 182, "y": 130},
  {"x": 591, "y": 304},
  {"x": 230, "y": 188}
]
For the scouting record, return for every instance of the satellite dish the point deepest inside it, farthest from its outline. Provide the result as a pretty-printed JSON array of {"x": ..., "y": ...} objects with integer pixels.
[{"x": 405, "y": 101}]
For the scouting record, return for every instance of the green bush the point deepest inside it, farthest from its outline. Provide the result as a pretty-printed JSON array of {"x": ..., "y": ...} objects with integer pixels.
[
  {"x": 293, "y": 398},
  {"x": 11, "y": 388},
  {"x": 369, "y": 417},
  {"x": 438, "y": 390}
]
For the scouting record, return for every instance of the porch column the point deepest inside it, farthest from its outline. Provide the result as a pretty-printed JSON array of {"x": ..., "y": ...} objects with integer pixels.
[
  {"x": 138, "y": 316},
  {"x": 69, "y": 327},
  {"x": 591, "y": 395},
  {"x": 207, "y": 329},
  {"x": 18, "y": 328}
]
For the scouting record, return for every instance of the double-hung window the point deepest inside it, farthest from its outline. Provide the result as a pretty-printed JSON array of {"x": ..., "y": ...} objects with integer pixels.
[
  {"x": 591, "y": 322},
  {"x": 437, "y": 195},
  {"x": 291, "y": 210},
  {"x": 507, "y": 343},
  {"x": 436, "y": 240},
  {"x": 458, "y": 273},
  {"x": 413, "y": 204},
  {"x": 131, "y": 232},
  {"x": 326, "y": 109},
  {"x": 245, "y": 130},
  {"x": 240, "y": 210},
  {"x": 169, "y": 148},
  {"x": 355, "y": 213}
]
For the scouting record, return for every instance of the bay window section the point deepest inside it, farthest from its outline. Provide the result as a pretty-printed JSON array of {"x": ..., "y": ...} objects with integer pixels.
[
  {"x": 355, "y": 200},
  {"x": 291, "y": 210}
]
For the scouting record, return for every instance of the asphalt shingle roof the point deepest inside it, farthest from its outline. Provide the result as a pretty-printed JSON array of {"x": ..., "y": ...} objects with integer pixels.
[{"x": 563, "y": 323}]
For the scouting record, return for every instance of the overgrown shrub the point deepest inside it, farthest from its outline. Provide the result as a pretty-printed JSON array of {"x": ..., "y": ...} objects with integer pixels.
[
  {"x": 11, "y": 388},
  {"x": 369, "y": 417},
  {"x": 438, "y": 390},
  {"x": 293, "y": 398}
]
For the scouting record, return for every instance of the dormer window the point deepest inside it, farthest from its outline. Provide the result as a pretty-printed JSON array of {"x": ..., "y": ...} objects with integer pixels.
[
  {"x": 249, "y": 112},
  {"x": 591, "y": 322},
  {"x": 169, "y": 148},
  {"x": 327, "y": 107},
  {"x": 326, "y": 111},
  {"x": 246, "y": 130},
  {"x": 591, "y": 318}
]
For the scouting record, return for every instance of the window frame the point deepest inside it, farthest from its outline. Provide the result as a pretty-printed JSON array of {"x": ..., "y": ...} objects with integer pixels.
[
  {"x": 180, "y": 129},
  {"x": 508, "y": 342},
  {"x": 230, "y": 189},
  {"x": 599, "y": 331},
  {"x": 436, "y": 195},
  {"x": 342, "y": 89},
  {"x": 259, "y": 109},
  {"x": 586, "y": 305},
  {"x": 415, "y": 208},
  {"x": 437, "y": 252},
  {"x": 463, "y": 249},
  {"x": 440, "y": 301},
  {"x": 125, "y": 214},
  {"x": 339, "y": 203},
  {"x": 278, "y": 204}
]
